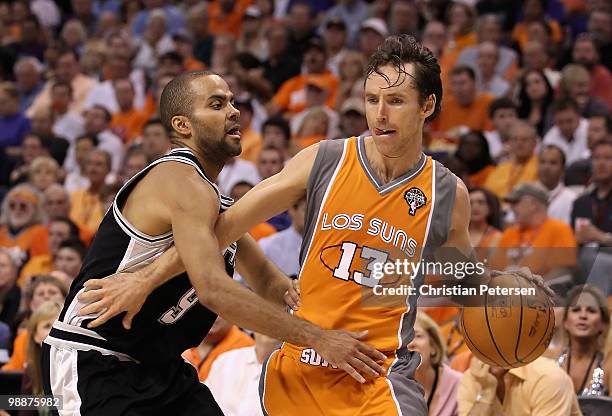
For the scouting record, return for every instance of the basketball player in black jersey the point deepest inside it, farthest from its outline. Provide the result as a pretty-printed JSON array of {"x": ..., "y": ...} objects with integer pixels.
[{"x": 112, "y": 371}]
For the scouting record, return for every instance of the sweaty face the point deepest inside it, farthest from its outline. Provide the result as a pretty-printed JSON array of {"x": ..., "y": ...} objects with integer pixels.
[
  {"x": 215, "y": 122},
  {"x": 394, "y": 114}
]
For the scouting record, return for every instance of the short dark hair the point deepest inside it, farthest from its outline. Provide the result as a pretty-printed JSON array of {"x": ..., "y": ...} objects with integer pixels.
[
  {"x": 107, "y": 115},
  {"x": 403, "y": 49},
  {"x": 608, "y": 119},
  {"x": 502, "y": 104},
  {"x": 557, "y": 148},
  {"x": 565, "y": 103},
  {"x": 93, "y": 137},
  {"x": 154, "y": 122},
  {"x": 281, "y": 123},
  {"x": 464, "y": 69},
  {"x": 74, "y": 229},
  {"x": 177, "y": 97},
  {"x": 76, "y": 245},
  {"x": 172, "y": 56},
  {"x": 70, "y": 51},
  {"x": 604, "y": 142}
]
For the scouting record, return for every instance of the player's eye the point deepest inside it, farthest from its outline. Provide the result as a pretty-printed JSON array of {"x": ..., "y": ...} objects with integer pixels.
[
  {"x": 372, "y": 100},
  {"x": 396, "y": 101},
  {"x": 216, "y": 105}
]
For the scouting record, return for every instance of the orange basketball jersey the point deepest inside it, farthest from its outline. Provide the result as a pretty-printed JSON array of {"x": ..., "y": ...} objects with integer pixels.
[{"x": 354, "y": 225}]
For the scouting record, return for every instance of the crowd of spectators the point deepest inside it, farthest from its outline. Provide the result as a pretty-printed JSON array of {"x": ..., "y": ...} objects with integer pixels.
[{"x": 525, "y": 123}]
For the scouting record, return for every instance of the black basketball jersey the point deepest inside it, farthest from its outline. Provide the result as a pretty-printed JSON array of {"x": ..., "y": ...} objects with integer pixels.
[{"x": 171, "y": 320}]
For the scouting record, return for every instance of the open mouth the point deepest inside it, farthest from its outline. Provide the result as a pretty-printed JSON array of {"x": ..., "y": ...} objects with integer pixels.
[
  {"x": 382, "y": 132},
  {"x": 233, "y": 132}
]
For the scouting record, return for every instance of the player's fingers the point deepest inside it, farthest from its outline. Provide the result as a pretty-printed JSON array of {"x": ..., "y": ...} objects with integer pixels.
[
  {"x": 369, "y": 365},
  {"x": 289, "y": 301},
  {"x": 295, "y": 297},
  {"x": 127, "y": 320},
  {"x": 296, "y": 285},
  {"x": 358, "y": 335},
  {"x": 94, "y": 283},
  {"x": 371, "y": 351},
  {"x": 92, "y": 308},
  {"x": 91, "y": 295},
  {"x": 352, "y": 372},
  {"x": 101, "y": 319}
]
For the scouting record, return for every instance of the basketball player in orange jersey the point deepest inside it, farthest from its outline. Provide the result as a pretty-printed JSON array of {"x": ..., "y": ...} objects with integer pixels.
[{"x": 370, "y": 200}]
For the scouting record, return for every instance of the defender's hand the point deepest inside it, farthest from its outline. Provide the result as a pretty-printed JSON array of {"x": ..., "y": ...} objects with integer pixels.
[
  {"x": 345, "y": 351},
  {"x": 292, "y": 295},
  {"x": 123, "y": 292}
]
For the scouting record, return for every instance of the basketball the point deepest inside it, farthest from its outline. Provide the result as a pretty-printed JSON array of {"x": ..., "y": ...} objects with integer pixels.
[{"x": 509, "y": 331}]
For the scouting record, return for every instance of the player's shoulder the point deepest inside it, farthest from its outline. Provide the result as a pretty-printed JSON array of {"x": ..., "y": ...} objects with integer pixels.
[{"x": 179, "y": 179}]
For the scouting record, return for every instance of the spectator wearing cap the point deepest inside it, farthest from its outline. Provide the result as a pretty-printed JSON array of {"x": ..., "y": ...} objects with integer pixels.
[
  {"x": 250, "y": 139},
  {"x": 28, "y": 76},
  {"x": 291, "y": 98},
  {"x": 252, "y": 39},
  {"x": 575, "y": 84},
  {"x": 545, "y": 245},
  {"x": 175, "y": 18},
  {"x": 203, "y": 41},
  {"x": 551, "y": 169},
  {"x": 579, "y": 172},
  {"x": 503, "y": 113},
  {"x": 335, "y": 42},
  {"x": 352, "y": 13},
  {"x": 184, "y": 47},
  {"x": 318, "y": 89},
  {"x": 352, "y": 118},
  {"x": 522, "y": 165},
  {"x": 67, "y": 69},
  {"x": 534, "y": 11},
  {"x": 372, "y": 34},
  {"x": 300, "y": 21},
  {"x": 128, "y": 121},
  {"x": 225, "y": 17},
  {"x": 464, "y": 107},
  {"x": 14, "y": 125},
  {"x": 569, "y": 131},
  {"x": 585, "y": 53},
  {"x": 280, "y": 65}
]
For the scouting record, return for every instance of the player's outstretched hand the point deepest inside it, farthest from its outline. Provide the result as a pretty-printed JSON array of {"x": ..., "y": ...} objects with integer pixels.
[
  {"x": 123, "y": 292},
  {"x": 292, "y": 295},
  {"x": 537, "y": 280},
  {"x": 344, "y": 350}
]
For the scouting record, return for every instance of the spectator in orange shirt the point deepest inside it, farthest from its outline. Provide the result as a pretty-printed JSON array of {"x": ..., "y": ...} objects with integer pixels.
[
  {"x": 155, "y": 139},
  {"x": 222, "y": 337},
  {"x": 523, "y": 163},
  {"x": 225, "y": 16},
  {"x": 128, "y": 121},
  {"x": 545, "y": 245},
  {"x": 534, "y": 11},
  {"x": 473, "y": 151},
  {"x": 250, "y": 139},
  {"x": 56, "y": 204},
  {"x": 184, "y": 47},
  {"x": 291, "y": 96},
  {"x": 313, "y": 128},
  {"x": 463, "y": 107}
]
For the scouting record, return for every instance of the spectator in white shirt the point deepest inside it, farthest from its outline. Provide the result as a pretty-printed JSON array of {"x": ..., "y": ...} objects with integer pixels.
[
  {"x": 488, "y": 80},
  {"x": 569, "y": 131},
  {"x": 503, "y": 113},
  {"x": 283, "y": 248},
  {"x": 76, "y": 179},
  {"x": 551, "y": 167},
  {"x": 234, "y": 377},
  {"x": 237, "y": 170},
  {"x": 68, "y": 124}
]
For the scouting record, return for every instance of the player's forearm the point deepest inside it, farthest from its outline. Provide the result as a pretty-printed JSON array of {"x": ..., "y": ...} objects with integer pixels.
[{"x": 164, "y": 268}]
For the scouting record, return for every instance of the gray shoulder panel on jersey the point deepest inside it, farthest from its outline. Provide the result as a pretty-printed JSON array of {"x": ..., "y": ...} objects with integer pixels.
[
  {"x": 326, "y": 161},
  {"x": 446, "y": 190}
]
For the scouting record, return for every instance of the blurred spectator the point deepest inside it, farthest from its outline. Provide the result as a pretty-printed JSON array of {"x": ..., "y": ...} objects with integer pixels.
[
  {"x": 77, "y": 179},
  {"x": 128, "y": 121},
  {"x": 56, "y": 202},
  {"x": 460, "y": 17},
  {"x": 83, "y": 11},
  {"x": 60, "y": 229},
  {"x": 574, "y": 84},
  {"x": 534, "y": 11},
  {"x": 438, "y": 380},
  {"x": 44, "y": 171},
  {"x": 252, "y": 38},
  {"x": 352, "y": 118},
  {"x": 551, "y": 168},
  {"x": 236, "y": 373},
  {"x": 226, "y": 17},
  {"x": 269, "y": 162},
  {"x": 13, "y": 123},
  {"x": 522, "y": 164},
  {"x": 155, "y": 139},
  {"x": 237, "y": 170},
  {"x": 42, "y": 126},
  {"x": 93, "y": 57},
  {"x": 67, "y": 124},
  {"x": 69, "y": 257},
  {"x": 503, "y": 113},
  {"x": 283, "y": 248},
  {"x": 464, "y": 107},
  {"x": 545, "y": 245},
  {"x": 280, "y": 66},
  {"x": 351, "y": 69},
  {"x": 47, "y": 12},
  {"x": 135, "y": 161},
  {"x": 10, "y": 294},
  {"x": 600, "y": 26},
  {"x": 485, "y": 222},
  {"x": 300, "y": 21},
  {"x": 260, "y": 230},
  {"x": 489, "y": 81},
  {"x": 31, "y": 148},
  {"x": 28, "y": 75},
  {"x": 223, "y": 336},
  {"x": 579, "y": 172},
  {"x": 250, "y": 139},
  {"x": 154, "y": 42},
  {"x": 223, "y": 54},
  {"x": 372, "y": 34},
  {"x": 352, "y": 13},
  {"x": 32, "y": 39},
  {"x": 183, "y": 43},
  {"x": 275, "y": 132},
  {"x": 434, "y": 37},
  {"x": 317, "y": 89},
  {"x": 313, "y": 128},
  {"x": 586, "y": 320},
  {"x": 473, "y": 151},
  {"x": 170, "y": 64},
  {"x": 250, "y": 84},
  {"x": 536, "y": 56},
  {"x": 538, "y": 388},
  {"x": 585, "y": 53},
  {"x": 203, "y": 41},
  {"x": 535, "y": 100},
  {"x": 74, "y": 35},
  {"x": 570, "y": 130},
  {"x": 334, "y": 35},
  {"x": 20, "y": 219},
  {"x": 404, "y": 18},
  {"x": 66, "y": 70},
  {"x": 291, "y": 95},
  {"x": 175, "y": 19},
  {"x": 86, "y": 204}
]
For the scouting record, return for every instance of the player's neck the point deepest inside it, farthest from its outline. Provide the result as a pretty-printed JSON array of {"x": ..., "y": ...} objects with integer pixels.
[
  {"x": 390, "y": 167},
  {"x": 212, "y": 163},
  {"x": 584, "y": 348}
]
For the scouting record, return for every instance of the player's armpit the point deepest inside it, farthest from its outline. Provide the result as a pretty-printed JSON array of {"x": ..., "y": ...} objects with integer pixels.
[
  {"x": 267, "y": 280},
  {"x": 268, "y": 198}
]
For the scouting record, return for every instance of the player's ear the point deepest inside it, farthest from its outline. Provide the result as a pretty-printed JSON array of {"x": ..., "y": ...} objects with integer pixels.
[
  {"x": 181, "y": 125},
  {"x": 430, "y": 106}
]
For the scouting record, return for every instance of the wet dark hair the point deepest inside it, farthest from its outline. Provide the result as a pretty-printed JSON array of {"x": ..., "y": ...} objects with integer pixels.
[{"x": 403, "y": 49}]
